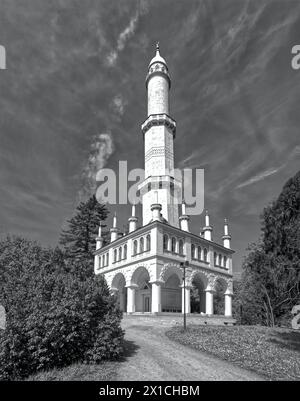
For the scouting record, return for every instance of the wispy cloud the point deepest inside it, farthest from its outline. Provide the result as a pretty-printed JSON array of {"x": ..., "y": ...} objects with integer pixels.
[
  {"x": 259, "y": 177},
  {"x": 101, "y": 149},
  {"x": 127, "y": 33}
]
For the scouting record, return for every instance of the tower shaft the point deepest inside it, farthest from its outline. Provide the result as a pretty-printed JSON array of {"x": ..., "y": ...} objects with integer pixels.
[{"x": 159, "y": 130}]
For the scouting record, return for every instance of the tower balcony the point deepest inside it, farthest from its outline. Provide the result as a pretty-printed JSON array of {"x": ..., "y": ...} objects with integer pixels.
[{"x": 159, "y": 119}]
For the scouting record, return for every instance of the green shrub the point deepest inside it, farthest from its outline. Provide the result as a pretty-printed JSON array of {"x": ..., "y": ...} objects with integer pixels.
[{"x": 56, "y": 314}]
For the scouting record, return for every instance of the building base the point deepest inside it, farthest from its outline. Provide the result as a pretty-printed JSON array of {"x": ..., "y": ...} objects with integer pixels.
[{"x": 192, "y": 318}]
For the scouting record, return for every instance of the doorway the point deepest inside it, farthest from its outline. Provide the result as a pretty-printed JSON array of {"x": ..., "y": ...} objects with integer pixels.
[{"x": 146, "y": 303}]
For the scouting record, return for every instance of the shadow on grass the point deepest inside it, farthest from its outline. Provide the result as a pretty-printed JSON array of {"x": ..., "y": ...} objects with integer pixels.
[
  {"x": 289, "y": 340},
  {"x": 130, "y": 349}
]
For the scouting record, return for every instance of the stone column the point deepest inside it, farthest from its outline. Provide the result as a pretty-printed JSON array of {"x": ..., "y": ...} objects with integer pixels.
[
  {"x": 96, "y": 264},
  {"x": 156, "y": 296},
  {"x": 228, "y": 304},
  {"x": 209, "y": 301},
  {"x": 187, "y": 295},
  {"x": 131, "y": 298}
]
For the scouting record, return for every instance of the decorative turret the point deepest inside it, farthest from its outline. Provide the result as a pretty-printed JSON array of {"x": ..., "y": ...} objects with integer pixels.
[
  {"x": 132, "y": 220},
  {"x": 99, "y": 239},
  {"x": 156, "y": 212},
  {"x": 184, "y": 218},
  {"x": 207, "y": 229},
  {"x": 114, "y": 231},
  {"x": 226, "y": 237}
]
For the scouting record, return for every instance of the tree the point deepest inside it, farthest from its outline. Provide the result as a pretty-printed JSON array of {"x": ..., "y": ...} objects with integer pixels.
[
  {"x": 271, "y": 271},
  {"x": 79, "y": 239}
]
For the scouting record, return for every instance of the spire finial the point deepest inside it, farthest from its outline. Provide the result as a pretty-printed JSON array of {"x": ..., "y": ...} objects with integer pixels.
[
  {"x": 115, "y": 220},
  {"x": 157, "y": 46}
]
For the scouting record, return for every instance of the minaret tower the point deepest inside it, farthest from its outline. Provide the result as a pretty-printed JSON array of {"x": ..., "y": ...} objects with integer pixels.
[{"x": 160, "y": 185}]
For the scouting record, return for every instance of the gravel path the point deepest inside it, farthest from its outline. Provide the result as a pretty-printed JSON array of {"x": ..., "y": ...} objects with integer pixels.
[{"x": 152, "y": 356}]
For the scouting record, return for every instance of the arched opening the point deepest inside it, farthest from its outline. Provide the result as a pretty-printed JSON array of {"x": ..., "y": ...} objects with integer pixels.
[
  {"x": 199, "y": 253},
  {"x": 141, "y": 245},
  {"x": 193, "y": 250},
  {"x": 148, "y": 242},
  {"x": 173, "y": 245},
  {"x": 171, "y": 293},
  {"x": 119, "y": 284},
  {"x": 205, "y": 255},
  {"x": 166, "y": 240},
  {"x": 135, "y": 245},
  {"x": 125, "y": 251},
  {"x": 181, "y": 247},
  {"x": 198, "y": 296},
  {"x": 219, "y": 297},
  {"x": 143, "y": 291}
]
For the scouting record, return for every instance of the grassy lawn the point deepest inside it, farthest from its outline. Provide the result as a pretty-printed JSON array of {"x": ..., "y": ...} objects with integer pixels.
[
  {"x": 273, "y": 353},
  {"x": 79, "y": 372}
]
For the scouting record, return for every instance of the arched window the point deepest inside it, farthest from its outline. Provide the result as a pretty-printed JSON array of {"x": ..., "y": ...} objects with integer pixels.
[
  {"x": 220, "y": 260},
  {"x": 103, "y": 260},
  {"x": 215, "y": 258},
  {"x": 120, "y": 253},
  {"x": 173, "y": 245},
  {"x": 181, "y": 247},
  {"x": 115, "y": 255},
  {"x": 135, "y": 245},
  {"x": 107, "y": 259},
  {"x": 148, "y": 242},
  {"x": 166, "y": 239},
  {"x": 205, "y": 255},
  {"x": 193, "y": 251},
  {"x": 142, "y": 244},
  {"x": 125, "y": 251},
  {"x": 199, "y": 252},
  {"x": 225, "y": 262}
]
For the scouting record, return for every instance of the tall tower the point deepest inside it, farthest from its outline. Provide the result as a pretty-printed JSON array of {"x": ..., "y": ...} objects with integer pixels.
[{"x": 160, "y": 185}]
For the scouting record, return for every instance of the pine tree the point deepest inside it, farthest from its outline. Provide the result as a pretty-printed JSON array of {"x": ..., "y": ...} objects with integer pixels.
[{"x": 79, "y": 239}]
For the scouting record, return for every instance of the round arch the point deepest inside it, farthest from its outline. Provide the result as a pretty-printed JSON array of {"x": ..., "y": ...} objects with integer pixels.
[
  {"x": 141, "y": 280},
  {"x": 118, "y": 285},
  {"x": 172, "y": 276},
  {"x": 199, "y": 282},
  {"x": 170, "y": 269}
]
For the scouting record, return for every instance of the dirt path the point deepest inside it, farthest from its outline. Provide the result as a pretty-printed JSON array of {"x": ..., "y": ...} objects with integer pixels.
[{"x": 152, "y": 356}]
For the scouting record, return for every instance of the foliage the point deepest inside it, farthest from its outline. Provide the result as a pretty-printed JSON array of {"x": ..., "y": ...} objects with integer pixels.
[
  {"x": 56, "y": 314},
  {"x": 271, "y": 271},
  {"x": 78, "y": 239},
  {"x": 272, "y": 353}
]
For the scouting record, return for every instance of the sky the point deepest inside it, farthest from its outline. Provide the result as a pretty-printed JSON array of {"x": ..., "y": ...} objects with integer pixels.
[{"x": 73, "y": 97}]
